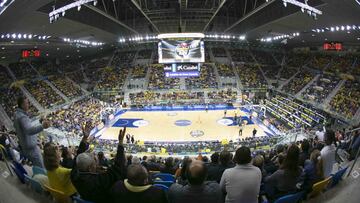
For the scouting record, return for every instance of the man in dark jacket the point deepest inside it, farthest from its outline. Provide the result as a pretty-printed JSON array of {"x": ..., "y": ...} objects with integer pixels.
[
  {"x": 136, "y": 189},
  {"x": 197, "y": 190},
  {"x": 93, "y": 186},
  {"x": 216, "y": 172}
]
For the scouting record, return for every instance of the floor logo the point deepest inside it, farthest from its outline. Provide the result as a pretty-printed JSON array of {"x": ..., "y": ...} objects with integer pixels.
[
  {"x": 225, "y": 122},
  {"x": 197, "y": 133},
  {"x": 140, "y": 123},
  {"x": 182, "y": 122}
]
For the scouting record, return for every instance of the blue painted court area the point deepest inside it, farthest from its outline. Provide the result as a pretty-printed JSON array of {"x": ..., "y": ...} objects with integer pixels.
[
  {"x": 243, "y": 118},
  {"x": 126, "y": 122}
]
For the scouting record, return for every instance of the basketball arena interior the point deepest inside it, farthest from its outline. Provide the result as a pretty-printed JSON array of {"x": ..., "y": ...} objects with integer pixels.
[{"x": 156, "y": 101}]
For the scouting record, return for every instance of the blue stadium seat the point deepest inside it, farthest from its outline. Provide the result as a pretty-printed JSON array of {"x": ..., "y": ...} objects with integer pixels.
[
  {"x": 166, "y": 183},
  {"x": 161, "y": 186},
  {"x": 77, "y": 199},
  {"x": 19, "y": 171},
  {"x": 293, "y": 198},
  {"x": 35, "y": 185},
  {"x": 164, "y": 177},
  {"x": 337, "y": 177},
  {"x": 37, "y": 170},
  {"x": 19, "y": 174}
]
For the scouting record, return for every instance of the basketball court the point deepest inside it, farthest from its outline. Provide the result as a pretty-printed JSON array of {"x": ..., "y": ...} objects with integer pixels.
[{"x": 180, "y": 126}]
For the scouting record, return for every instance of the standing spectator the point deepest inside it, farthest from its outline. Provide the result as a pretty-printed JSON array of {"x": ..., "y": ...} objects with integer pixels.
[
  {"x": 93, "y": 186},
  {"x": 284, "y": 180},
  {"x": 132, "y": 139},
  {"x": 254, "y": 132},
  {"x": 136, "y": 188},
  {"x": 27, "y": 132},
  {"x": 241, "y": 183},
  {"x": 213, "y": 167},
  {"x": 328, "y": 153},
  {"x": 197, "y": 190},
  {"x": 225, "y": 163},
  {"x": 128, "y": 139},
  {"x": 241, "y": 129}
]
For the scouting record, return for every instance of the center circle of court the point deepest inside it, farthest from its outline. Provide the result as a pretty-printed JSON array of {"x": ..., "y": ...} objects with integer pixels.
[
  {"x": 182, "y": 123},
  {"x": 225, "y": 122},
  {"x": 141, "y": 123}
]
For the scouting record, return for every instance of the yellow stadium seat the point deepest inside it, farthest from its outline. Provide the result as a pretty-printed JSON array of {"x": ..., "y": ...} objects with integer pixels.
[
  {"x": 59, "y": 196},
  {"x": 319, "y": 187}
]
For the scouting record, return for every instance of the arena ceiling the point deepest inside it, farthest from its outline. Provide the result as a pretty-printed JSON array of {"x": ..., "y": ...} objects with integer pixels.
[{"x": 111, "y": 19}]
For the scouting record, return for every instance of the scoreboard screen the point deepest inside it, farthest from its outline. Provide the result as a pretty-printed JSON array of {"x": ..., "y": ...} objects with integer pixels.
[
  {"x": 30, "y": 53},
  {"x": 333, "y": 46},
  {"x": 181, "y": 48},
  {"x": 182, "y": 70}
]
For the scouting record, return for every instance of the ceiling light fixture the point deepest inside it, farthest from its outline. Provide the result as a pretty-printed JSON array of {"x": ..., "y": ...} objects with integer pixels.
[
  {"x": 55, "y": 14},
  {"x": 311, "y": 11}
]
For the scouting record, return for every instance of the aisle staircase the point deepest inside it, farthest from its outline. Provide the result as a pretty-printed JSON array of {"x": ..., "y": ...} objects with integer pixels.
[
  {"x": 57, "y": 90},
  {"x": 216, "y": 74},
  {"x": 297, "y": 95},
  {"x": 32, "y": 100},
  {"x": 212, "y": 58},
  {"x": 76, "y": 85},
  {"x": 133, "y": 63},
  {"x": 127, "y": 80},
  {"x": 5, "y": 119},
  {"x": 238, "y": 81},
  {"x": 182, "y": 84},
  {"x": 287, "y": 81},
  {"x": 333, "y": 93},
  {"x": 82, "y": 69},
  {"x": 34, "y": 69},
  {"x": 147, "y": 77}
]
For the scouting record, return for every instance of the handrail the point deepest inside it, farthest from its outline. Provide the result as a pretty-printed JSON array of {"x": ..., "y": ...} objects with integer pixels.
[{"x": 2, "y": 149}]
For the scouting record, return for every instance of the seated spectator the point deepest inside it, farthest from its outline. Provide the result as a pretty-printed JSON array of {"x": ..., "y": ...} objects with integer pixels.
[
  {"x": 169, "y": 166},
  {"x": 284, "y": 180},
  {"x": 136, "y": 188},
  {"x": 93, "y": 186},
  {"x": 241, "y": 183},
  {"x": 197, "y": 190},
  {"x": 313, "y": 170},
  {"x": 152, "y": 165},
  {"x": 181, "y": 172},
  {"x": 328, "y": 153},
  {"x": 59, "y": 177},
  {"x": 258, "y": 161}
]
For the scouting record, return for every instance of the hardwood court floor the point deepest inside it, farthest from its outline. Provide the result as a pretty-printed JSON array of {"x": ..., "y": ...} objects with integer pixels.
[{"x": 162, "y": 126}]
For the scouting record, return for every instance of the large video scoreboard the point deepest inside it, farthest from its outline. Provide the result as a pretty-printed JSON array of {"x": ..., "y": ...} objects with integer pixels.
[{"x": 181, "y": 53}]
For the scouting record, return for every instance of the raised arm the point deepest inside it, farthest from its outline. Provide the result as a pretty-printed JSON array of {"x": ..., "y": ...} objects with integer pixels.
[{"x": 28, "y": 128}]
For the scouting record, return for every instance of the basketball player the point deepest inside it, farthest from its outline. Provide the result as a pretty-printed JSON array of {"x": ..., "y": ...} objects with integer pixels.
[
  {"x": 254, "y": 132},
  {"x": 241, "y": 129},
  {"x": 225, "y": 113},
  {"x": 206, "y": 108},
  {"x": 235, "y": 117}
]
